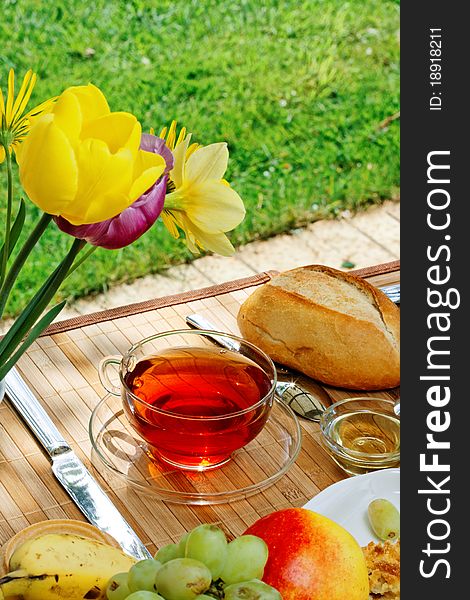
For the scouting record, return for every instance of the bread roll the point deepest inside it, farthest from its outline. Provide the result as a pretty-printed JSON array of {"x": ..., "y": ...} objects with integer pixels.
[{"x": 331, "y": 325}]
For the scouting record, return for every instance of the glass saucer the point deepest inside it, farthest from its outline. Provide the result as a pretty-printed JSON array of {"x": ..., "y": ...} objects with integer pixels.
[{"x": 118, "y": 451}]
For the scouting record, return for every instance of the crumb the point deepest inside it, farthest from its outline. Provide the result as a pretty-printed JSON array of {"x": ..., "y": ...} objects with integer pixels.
[{"x": 383, "y": 566}]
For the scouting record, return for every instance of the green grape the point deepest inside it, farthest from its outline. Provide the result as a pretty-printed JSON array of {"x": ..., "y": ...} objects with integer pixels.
[
  {"x": 144, "y": 595},
  {"x": 168, "y": 552},
  {"x": 182, "y": 546},
  {"x": 208, "y": 544},
  {"x": 117, "y": 588},
  {"x": 183, "y": 579},
  {"x": 142, "y": 575},
  {"x": 251, "y": 590},
  {"x": 384, "y": 519},
  {"x": 246, "y": 559},
  {"x": 204, "y": 597}
]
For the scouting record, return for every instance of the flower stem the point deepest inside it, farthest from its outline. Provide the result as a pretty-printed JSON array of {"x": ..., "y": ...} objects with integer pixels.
[
  {"x": 6, "y": 246},
  {"x": 35, "y": 308},
  {"x": 19, "y": 261},
  {"x": 81, "y": 260}
]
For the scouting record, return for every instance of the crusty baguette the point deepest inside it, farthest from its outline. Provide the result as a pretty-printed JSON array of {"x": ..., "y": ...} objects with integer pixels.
[{"x": 333, "y": 326}]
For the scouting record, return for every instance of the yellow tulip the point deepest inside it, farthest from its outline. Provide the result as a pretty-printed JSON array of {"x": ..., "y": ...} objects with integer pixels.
[
  {"x": 202, "y": 204},
  {"x": 83, "y": 162}
]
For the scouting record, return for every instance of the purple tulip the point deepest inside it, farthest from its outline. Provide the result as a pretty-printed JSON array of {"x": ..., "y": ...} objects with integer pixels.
[{"x": 123, "y": 229}]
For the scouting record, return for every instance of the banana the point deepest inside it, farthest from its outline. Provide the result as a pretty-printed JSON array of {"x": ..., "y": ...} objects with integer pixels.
[{"x": 62, "y": 566}]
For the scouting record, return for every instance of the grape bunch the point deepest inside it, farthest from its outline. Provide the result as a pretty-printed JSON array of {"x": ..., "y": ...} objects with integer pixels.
[{"x": 203, "y": 566}]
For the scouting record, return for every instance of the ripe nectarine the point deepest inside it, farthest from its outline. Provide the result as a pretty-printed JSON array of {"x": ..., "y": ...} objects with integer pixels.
[{"x": 311, "y": 557}]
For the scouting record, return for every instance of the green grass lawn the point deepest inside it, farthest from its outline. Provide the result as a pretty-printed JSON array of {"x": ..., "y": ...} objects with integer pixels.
[{"x": 297, "y": 88}]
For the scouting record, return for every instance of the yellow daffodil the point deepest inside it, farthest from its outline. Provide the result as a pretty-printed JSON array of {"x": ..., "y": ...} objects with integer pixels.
[
  {"x": 201, "y": 202},
  {"x": 83, "y": 162},
  {"x": 14, "y": 125}
]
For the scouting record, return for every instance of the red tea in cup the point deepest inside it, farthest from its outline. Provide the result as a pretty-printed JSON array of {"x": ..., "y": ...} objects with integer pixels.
[{"x": 195, "y": 406}]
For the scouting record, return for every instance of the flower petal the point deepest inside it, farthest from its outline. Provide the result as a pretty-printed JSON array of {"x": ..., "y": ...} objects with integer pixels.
[
  {"x": 152, "y": 143},
  {"x": 43, "y": 108},
  {"x": 67, "y": 115},
  {"x": 10, "y": 96},
  {"x": 215, "y": 242},
  {"x": 24, "y": 94},
  {"x": 118, "y": 130},
  {"x": 195, "y": 237},
  {"x": 179, "y": 155},
  {"x": 148, "y": 167},
  {"x": 126, "y": 227},
  {"x": 207, "y": 162},
  {"x": 170, "y": 223},
  {"x": 212, "y": 206},
  {"x": 90, "y": 232},
  {"x": 103, "y": 184},
  {"x": 93, "y": 104},
  {"x": 2, "y": 154},
  {"x": 48, "y": 168}
]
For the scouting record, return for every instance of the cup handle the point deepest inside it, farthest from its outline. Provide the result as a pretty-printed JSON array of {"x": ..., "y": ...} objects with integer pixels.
[{"x": 104, "y": 377}]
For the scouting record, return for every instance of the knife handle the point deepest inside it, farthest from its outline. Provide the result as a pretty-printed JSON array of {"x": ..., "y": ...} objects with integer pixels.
[{"x": 34, "y": 415}]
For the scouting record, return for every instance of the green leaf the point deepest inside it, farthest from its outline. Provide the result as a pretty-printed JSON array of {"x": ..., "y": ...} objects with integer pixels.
[
  {"x": 35, "y": 332},
  {"x": 37, "y": 305},
  {"x": 20, "y": 259},
  {"x": 15, "y": 230}
]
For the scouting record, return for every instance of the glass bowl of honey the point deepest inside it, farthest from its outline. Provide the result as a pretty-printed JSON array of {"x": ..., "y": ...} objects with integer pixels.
[
  {"x": 362, "y": 434},
  {"x": 193, "y": 403}
]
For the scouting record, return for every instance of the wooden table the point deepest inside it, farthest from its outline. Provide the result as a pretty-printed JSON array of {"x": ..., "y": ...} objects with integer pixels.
[{"x": 61, "y": 368}]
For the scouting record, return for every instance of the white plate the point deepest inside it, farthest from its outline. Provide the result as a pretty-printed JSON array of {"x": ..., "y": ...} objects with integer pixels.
[{"x": 346, "y": 501}]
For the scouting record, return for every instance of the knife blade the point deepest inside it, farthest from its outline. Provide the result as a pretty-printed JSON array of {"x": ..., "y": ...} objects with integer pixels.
[{"x": 70, "y": 471}]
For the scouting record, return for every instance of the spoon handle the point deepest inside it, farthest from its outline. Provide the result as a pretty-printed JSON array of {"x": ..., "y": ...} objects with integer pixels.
[
  {"x": 302, "y": 402},
  {"x": 199, "y": 322}
]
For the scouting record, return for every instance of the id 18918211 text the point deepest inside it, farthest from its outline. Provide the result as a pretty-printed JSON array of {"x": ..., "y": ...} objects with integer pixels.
[{"x": 435, "y": 69}]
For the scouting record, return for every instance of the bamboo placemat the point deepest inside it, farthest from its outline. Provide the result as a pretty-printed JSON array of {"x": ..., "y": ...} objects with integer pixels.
[{"x": 61, "y": 368}]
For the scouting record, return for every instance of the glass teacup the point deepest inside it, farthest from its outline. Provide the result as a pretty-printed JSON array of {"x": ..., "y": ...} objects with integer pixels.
[{"x": 192, "y": 402}]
